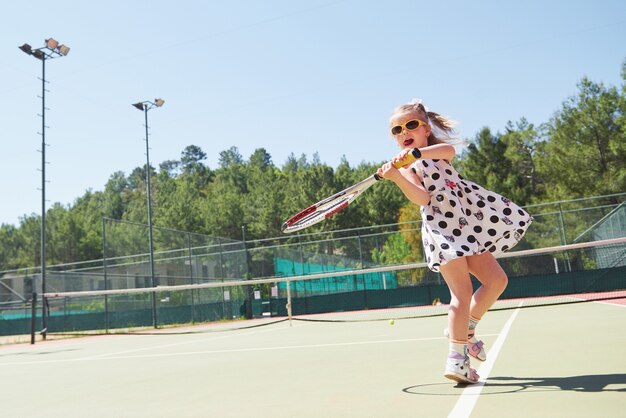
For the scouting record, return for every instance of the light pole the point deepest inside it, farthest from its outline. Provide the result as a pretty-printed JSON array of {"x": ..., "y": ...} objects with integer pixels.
[
  {"x": 145, "y": 106},
  {"x": 51, "y": 50}
]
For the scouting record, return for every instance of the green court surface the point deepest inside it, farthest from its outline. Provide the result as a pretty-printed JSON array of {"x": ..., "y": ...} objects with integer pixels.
[{"x": 553, "y": 361}]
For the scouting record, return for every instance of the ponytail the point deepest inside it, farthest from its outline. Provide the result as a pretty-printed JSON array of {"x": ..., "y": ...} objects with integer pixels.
[{"x": 441, "y": 128}]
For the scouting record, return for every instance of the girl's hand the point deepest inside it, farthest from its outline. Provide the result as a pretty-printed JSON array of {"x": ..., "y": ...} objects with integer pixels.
[
  {"x": 401, "y": 155},
  {"x": 389, "y": 172},
  {"x": 406, "y": 180}
]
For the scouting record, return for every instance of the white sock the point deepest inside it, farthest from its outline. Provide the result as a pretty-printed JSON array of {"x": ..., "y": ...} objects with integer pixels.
[
  {"x": 472, "y": 328},
  {"x": 458, "y": 347}
]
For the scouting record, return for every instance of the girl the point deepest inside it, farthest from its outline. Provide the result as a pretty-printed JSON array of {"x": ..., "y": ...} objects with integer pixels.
[{"x": 463, "y": 227}]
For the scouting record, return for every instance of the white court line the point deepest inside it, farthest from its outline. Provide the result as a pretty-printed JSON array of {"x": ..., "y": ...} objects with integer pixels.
[
  {"x": 465, "y": 405},
  {"x": 287, "y": 347},
  {"x": 115, "y": 356},
  {"x": 194, "y": 341},
  {"x": 205, "y": 337}
]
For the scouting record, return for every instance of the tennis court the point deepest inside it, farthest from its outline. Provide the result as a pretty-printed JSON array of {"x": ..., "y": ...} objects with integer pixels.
[{"x": 558, "y": 360}]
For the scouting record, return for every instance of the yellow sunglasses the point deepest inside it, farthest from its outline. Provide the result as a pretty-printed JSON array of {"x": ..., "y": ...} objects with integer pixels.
[{"x": 409, "y": 126}]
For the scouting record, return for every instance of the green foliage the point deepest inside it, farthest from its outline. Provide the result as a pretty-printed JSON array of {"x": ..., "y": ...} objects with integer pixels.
[
  {"x": 579, "y": 152},
  {"x": 395, "y": 251},
  {"x": 398, "y": 250},
  {"x": 484, "y": 161},
  {"x": 522, "y": 183},
  {"x": 585, "y": 148}
]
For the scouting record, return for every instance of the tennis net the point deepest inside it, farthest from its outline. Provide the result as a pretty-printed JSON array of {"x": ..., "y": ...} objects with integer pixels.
[{"x": 562, "y": 274}]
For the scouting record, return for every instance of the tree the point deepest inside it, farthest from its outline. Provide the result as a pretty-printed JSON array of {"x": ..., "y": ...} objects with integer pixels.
[
  {"x": 585, "y": 150},
  {"x": 9, "y": 247},
  {"x": 114, "y": 203},
  {"x": 63, "y": 236},
  {"x": 137, "y": 178},
  {"x": 505, "y": 163},
  {"x": 230, "y": 157},
  {"x": 580, "y": 151},
  {"x": 191, "y": 160},
  {"x": 485, "y": 163},
  {"x": 260, "y": 159},
  {"x": 171, "y": 167},
  {"x": 27, "y": 242},
  {"x": 222, "y": 210},
  {"x": 523, "y": 182},
  {"x": 263, "y": 204}
]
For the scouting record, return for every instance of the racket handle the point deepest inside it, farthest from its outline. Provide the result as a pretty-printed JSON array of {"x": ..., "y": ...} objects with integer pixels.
[{"x": 409, "y": 158}]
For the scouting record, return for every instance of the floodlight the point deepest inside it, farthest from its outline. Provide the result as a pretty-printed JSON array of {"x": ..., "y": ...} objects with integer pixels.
[
  {"x": 64, "y": 49},
  {"x": 38, "y": 54},
  {"x": 26, "y": 48},
  {"x": 139, "y": 106},
  {"x": 52, "y": 43},
  {"x": 159, "y": 102}
]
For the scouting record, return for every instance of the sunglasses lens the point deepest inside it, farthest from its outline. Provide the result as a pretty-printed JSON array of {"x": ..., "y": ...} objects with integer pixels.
[
  {"x": 413, "y": 124},
  {"x": 396, "y": 130}
]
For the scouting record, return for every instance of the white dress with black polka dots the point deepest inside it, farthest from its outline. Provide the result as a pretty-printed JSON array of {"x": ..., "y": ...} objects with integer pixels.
[{"x": 463, "y": 218}]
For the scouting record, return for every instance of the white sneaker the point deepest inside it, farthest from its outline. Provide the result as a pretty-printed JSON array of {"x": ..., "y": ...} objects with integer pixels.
[{"x": 458, "y": 369}]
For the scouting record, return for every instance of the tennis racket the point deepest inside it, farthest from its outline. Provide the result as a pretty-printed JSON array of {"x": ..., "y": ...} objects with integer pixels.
[{"x": 333, "y": 204}]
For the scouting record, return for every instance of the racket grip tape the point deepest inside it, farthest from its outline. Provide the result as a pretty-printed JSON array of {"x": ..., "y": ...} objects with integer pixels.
[{"x": 409, "y": 158}]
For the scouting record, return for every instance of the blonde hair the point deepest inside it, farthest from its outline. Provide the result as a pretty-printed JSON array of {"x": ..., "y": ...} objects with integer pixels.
[{"x": 443, "y": 126}]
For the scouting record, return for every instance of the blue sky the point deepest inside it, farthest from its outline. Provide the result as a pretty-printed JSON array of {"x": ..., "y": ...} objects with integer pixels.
[{"x": 289, "y": 76}]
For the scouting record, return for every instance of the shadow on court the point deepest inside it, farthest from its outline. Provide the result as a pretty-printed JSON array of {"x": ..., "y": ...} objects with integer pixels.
[{"x": 584, "y": 383}]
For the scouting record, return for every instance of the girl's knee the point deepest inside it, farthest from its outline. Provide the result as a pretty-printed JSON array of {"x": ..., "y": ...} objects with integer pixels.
[
  {"x": 500, "y": 281},
  {"x": 457, "y": 305}
]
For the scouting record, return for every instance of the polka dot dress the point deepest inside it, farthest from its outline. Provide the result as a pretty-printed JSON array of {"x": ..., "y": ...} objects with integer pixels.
[{"x": 463, "y": 218}]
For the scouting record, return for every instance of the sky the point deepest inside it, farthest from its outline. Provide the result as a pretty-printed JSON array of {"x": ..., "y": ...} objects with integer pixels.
[{"x": 292, "y": 77}]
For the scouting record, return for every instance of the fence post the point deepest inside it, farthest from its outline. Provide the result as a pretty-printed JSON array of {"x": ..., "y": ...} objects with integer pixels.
[
  {"x": 104, "y": 270},
  {"x": 562, "y": 221},
  {"x": 248, "y": 292},
  {"x": 219, "y": 243},
  {"x": 362, "y": 266},
  {"x": 302, "y": 264},
  {"x": 191, "y": 281},
  {"x": 33, "y": 317},
  {"x": 564, "y": 236},
  {"x": 360, "y": 248}
]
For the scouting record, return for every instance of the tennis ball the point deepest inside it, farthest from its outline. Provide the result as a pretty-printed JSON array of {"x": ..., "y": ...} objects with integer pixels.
[{"x": 391, "y": 322}]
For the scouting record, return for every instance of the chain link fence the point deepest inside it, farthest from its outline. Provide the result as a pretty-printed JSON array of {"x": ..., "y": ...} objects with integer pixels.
[{"x": 182, "y": 258}]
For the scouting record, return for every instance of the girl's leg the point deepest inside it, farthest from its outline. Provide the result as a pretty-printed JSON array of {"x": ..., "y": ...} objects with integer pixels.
[
  {"x": 456, "y": 275},
  {"x": 493, "y": 279}
]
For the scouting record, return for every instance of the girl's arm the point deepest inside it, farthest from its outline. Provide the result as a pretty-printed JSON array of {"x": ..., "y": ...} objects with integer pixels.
[
  {"x": 438, "y": 152},
  {"x": 430, "y": 152},
  {"x": 407, "y": 181}
]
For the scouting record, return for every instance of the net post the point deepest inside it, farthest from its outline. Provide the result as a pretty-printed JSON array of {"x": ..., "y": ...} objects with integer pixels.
[
  {"x": 289, "y": 312},
  {"x": 33, "y": 317}
]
